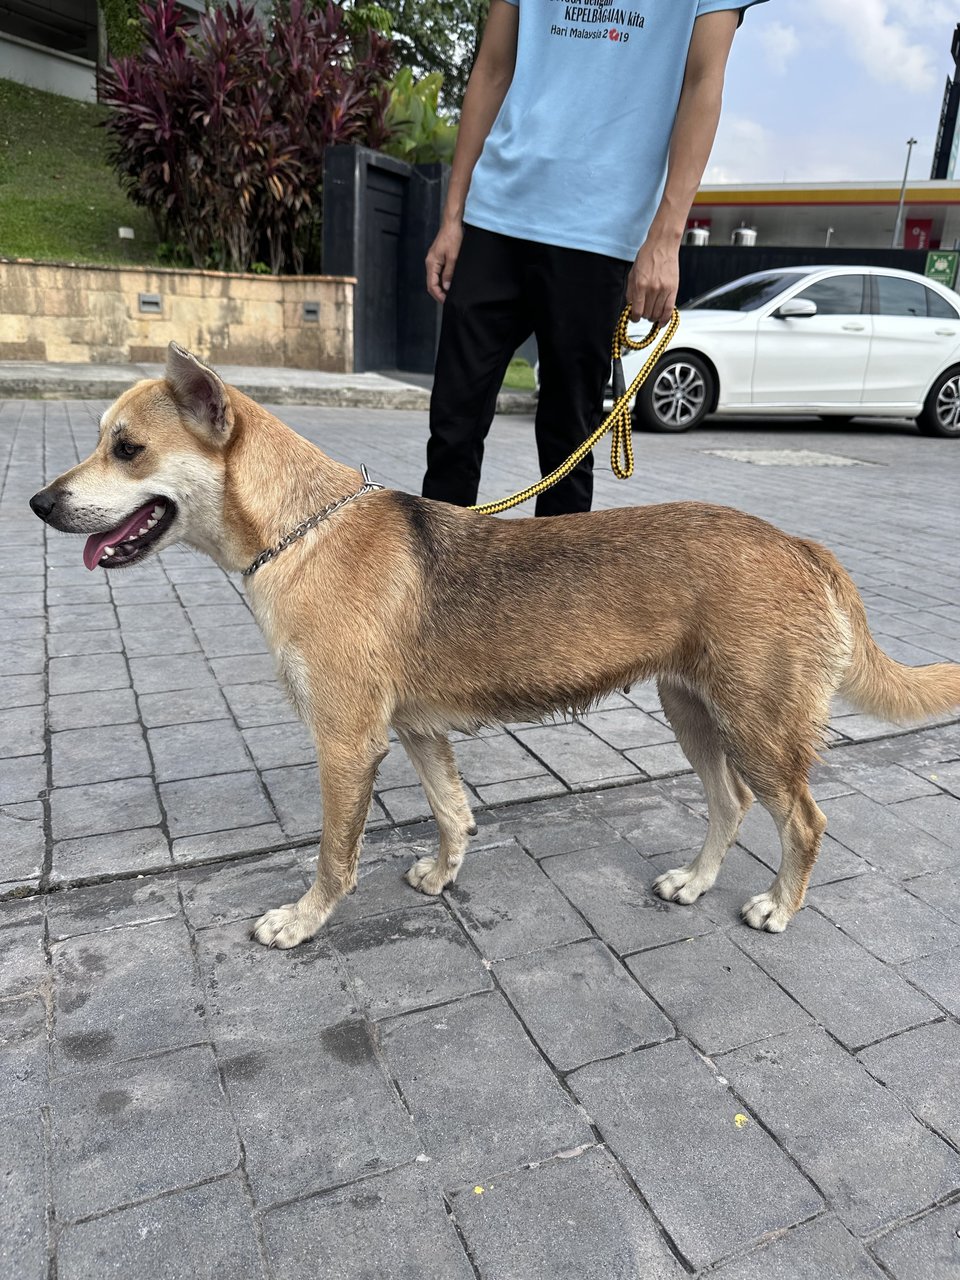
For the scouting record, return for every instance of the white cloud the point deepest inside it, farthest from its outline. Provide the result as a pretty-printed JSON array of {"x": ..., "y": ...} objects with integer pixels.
[
  {"x": 780, "y": 43},
  {"x": 877, "y": 36}
]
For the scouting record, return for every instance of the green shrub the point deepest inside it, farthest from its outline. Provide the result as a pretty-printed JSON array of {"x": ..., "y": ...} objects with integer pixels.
[
  {"x": 122, "y": 21},
  {"x": 418, "y": 133}
]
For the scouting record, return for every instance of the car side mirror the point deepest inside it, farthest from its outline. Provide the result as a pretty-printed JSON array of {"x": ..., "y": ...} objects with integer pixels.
[{"x": 796, "y": 309}]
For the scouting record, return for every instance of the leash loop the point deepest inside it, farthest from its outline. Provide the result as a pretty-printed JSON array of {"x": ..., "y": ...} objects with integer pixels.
[{"x": 617, "y": 420}]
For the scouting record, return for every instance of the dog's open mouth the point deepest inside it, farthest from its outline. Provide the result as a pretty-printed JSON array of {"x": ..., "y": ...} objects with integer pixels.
[{"x": 131, "y": 540}]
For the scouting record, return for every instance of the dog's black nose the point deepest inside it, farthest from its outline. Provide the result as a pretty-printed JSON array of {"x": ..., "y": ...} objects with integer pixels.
[{"x": 42, "y": 503}]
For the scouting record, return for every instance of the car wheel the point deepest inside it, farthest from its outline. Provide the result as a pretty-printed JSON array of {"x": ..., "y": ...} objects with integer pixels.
[
  {"x": 940, "y": 415},
  {"x": 678, "y": 394}
]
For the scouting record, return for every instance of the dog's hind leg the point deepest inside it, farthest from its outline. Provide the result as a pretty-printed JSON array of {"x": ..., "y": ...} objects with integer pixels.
[
  {"x": 347, "y": 771},
  {"x": 434, "y": 761},
  {"x": 727, "y": 797},
  {"x": 801, "y": 825}
]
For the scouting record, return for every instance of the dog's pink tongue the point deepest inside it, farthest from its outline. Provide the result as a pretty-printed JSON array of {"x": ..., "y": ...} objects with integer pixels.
[{"x": 97, "y": 543}]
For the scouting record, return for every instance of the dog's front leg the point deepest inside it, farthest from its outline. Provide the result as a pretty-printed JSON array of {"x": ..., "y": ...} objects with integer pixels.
[{"x": 347, "y": 772}]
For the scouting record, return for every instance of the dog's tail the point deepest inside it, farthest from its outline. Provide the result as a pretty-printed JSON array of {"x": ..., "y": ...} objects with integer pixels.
[{"x": 873, "y": 681}]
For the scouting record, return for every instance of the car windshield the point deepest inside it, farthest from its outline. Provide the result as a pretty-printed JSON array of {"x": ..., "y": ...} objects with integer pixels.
[{"x": 744, "y": 295}]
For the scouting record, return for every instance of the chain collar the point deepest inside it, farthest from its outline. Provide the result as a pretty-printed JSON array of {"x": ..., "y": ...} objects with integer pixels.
[{"x": 368, "y": 486}]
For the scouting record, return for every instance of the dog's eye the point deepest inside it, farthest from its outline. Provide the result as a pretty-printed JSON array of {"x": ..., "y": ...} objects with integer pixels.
[{"x": 126, "y": 450}]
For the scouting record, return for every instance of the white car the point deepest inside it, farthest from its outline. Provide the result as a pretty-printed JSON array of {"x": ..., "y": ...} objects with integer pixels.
[{"x": 841, "y": 342}]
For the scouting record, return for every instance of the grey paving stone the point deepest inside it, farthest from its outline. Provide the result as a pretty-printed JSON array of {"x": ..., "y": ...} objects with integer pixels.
[
  {"x": 107, "y": 906},
  {"x": 946, "y": 776},
  {"x": 21, "y": 658},
  {"x": 486, "y": 761},
  {"x": 198, "y": 805},
  {"x": 875, "y": 1163},
  {"x": 537, "y": 1222},
  {"x": 82, "y": 756},
  {"x": 84, "y": 674},
  {"x": 139, "y": 849},
  {"x": 579, "y": 1004},
  {"x": 23, "y": 1056},
  {"x": 405, "y": 804},
  {"x": 823, "y": 1247},
  {"x": 880, "y": 914},
  {"x": 855, "y": 996},
  {"x": 69, "y": 644},
  {"x": 482, "y": 1098},
  {"x": 576, "y": 755},
  {"x": 888, "y": 784},
  {"x": 941, "y": 889},
  {"x": 231, "y": 641},
  {"x": 381, "y": 887},
  {"x": 81, "y": 617},
  {"x": 673, "y": 1125},
  {"x": 23, "y": 965},
  {"x": 249, "y": 668},
  {"x": 212, "y": 590},
  {"x": 131, "y": 1130},
  {"x": 103, "y": 808},
  {"x": 197, "y": 749},
  {"x": 550, "y": 838},
  {"x": 21, "y": 731},
  {"x": 611, "y": 887},
  {"x": 884, "y": 837},
  {"x": 662, "y": 761},
  {"x": 240, "y": 890},
  {"x": 166, "y": 674},
  {"x": 938, "y": 815},
  {"x": 928, "y": 1249},
  {"x": 317, "y": 1114},
  {"x": 209, "y": 845},
  {"x": 254, "y": 995},
  {"x": 937, "y": 976},
  {"x": 196, "y": 1234},
  {"x": 409, "y": 960},
  {"x": 182, "y": 706},
  {"x": 509, "y": 907},
  {"x": 220, "y": 615},
  {"x": 741, "y": 876},
  {"x": 392, "y": 1226},
  {"x": 654, "y": 824},
  {"x": 23, "y": 1228},
  {"x": 543, "y": 784},
  {"x": 108, "y": 1004},
  {"x": 919, "y": 1066},
  {"x": 166, "y": 640},
  {"x": 89, "y": 710},
  {"x": 627, "y": 727},
  {"x": 278, "y": 745},
  {"x": 716, "y": 996},
  {"x": 259, "y": 704},
  {"x": 21, "y": 691},
  {"x": 295, "y": 794},
  {"x": 22, "y": 841},
  {"x": 22, "y": 778}
]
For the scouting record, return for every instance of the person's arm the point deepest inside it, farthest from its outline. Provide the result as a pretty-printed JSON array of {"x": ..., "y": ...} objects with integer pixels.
[
  {"x": 486, "y": 89},
  {"x": 655, "y": 276}
]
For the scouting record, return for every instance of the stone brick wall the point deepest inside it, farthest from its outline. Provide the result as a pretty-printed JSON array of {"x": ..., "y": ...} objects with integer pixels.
[{"x": 52, "y": 311}]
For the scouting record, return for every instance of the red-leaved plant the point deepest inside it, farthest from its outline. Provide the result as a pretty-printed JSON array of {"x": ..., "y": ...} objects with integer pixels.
[{"x": 219, "y": 126}]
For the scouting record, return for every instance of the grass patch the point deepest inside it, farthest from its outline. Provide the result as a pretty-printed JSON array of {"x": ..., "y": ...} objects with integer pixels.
[
  {"x": 520, "y": 375},
  {"x": 59, "y": 199}
]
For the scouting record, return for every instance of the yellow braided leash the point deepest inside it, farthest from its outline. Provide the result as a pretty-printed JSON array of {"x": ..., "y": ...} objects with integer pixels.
[{"x": 617, "y": 420}]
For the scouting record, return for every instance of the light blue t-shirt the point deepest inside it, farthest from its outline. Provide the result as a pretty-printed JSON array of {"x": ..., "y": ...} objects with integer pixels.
[{"x": 577, "y": 155}]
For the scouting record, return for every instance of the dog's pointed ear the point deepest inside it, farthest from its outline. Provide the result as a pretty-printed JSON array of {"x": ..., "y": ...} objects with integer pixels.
[{"x": 199, "y": 392}]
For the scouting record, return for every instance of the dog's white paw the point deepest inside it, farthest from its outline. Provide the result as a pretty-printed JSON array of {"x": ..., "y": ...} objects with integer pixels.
[
  {"x": 286, "y": 926},
  {"x": 426, "y": 876},
  {"x": 766, "y": 911},
  {"x": 681, "y": 885}
]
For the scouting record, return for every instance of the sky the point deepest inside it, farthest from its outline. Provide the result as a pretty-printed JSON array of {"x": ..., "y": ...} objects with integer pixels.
[{"x": 830, "y": 91}]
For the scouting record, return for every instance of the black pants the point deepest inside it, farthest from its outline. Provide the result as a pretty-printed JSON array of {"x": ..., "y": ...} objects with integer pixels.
[{"x": 503, "y": 290}]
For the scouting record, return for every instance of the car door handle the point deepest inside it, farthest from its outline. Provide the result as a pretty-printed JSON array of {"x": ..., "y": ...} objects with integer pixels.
[
  {"x": 854, "y": 328},
  {"x": 945, "y": 333}
]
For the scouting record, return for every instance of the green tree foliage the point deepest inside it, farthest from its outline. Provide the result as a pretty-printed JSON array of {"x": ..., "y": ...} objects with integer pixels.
[
  {"x": 418, "y": 133},
  {"x": 122, "y": 21}
]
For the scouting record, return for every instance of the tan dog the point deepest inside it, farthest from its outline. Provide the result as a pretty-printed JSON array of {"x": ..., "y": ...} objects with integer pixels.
[{"x": 397, "y": 611}]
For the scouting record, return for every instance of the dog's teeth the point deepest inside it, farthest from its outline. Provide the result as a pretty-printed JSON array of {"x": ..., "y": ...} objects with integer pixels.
[
  {"x": 108, "y": 551},
  {"x": 142, "y": 531},
  {"x": 157, "y": 512},
  {"x": 151, "y": 523}
]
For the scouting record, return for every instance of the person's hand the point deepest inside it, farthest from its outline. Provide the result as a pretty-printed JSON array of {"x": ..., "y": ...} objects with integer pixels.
[
  {"x": 442, "y": 258},
  {"x": 653, "y": 283}
]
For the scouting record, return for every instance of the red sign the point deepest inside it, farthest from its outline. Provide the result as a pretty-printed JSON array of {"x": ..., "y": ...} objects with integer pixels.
[{"x": 918, "y": 233}]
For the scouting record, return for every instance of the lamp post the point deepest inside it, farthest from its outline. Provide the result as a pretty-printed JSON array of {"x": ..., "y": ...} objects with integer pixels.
[{"x": 898, "y": 225}]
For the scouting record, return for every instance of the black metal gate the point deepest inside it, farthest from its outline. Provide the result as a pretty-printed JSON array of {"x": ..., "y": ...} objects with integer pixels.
[{"x": 379, "y": 218}]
